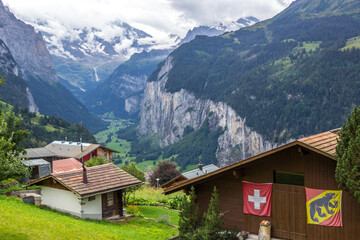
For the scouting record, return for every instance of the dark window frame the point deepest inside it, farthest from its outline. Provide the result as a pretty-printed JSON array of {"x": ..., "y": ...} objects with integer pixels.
[{"x": 289, "y": 178}]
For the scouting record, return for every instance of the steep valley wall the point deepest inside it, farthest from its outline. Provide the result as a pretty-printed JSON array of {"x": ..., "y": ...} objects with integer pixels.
[{"x": 167, "y": 115}]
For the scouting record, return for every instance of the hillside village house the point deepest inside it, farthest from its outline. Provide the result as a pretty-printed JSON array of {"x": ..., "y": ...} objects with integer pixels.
[
  {"x": 307, "y": 162},
  {"x": 201, "y": 170},
  {"x": 66, "y": 149},
  {"x": 93, "y": 192}
]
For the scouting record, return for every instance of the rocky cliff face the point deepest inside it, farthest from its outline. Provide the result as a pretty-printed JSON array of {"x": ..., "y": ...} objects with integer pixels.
[
  {"x": 37, "y": 84},
  {"x": 168, "y": 114},
  {"x": 15, "y": 90},
  {"x": 27, "y": 46}
]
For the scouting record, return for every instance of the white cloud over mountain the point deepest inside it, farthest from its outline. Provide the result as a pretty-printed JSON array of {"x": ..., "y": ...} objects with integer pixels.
[{"x": 156, "y": 17}]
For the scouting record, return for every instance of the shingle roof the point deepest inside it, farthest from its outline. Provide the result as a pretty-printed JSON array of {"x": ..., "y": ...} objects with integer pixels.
[
  {"x": 64, "y": 165},
  {"x": 87, "y": 150},
  {"x": 197, "y": 172},
  {"x": 38, "y": 153},
  {"x": 324, "y": 143},
  {"x": 35, "y": 162},
  {"x": 73, "y": 149},
  {"x": 101, "y": 179},
  {"x": 64, "y": 150}
]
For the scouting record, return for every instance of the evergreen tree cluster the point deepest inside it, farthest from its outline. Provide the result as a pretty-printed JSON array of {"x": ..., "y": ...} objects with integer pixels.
[
  {"x": 209, "y": 227},
  {"x": 45, "y": 129},
  {"x": 347, "y": 154}
]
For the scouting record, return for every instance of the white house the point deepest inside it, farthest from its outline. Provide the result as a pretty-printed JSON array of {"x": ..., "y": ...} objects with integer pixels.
[{"x": 93, "y": 192}]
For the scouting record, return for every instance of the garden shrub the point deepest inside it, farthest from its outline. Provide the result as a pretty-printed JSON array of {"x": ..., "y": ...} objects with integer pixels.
[{"x": 165, "y": 219}]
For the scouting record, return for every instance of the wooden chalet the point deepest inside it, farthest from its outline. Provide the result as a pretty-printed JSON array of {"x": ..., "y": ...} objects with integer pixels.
[
  {"x": 307, "y": 162},
  {"x": 93, "y": 192}
]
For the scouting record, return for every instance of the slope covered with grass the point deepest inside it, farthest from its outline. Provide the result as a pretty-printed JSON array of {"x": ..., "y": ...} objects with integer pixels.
[{"x": 22, "y": 221}]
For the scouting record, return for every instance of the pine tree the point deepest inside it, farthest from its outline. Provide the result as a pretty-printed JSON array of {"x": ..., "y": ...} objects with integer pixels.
[
  {"x": 213, "y": 219},
  {"x": 347, "y": 154},
  {"x": 188, "y": 216}
]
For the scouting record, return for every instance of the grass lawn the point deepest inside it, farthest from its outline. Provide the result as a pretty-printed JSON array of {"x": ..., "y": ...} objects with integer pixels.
[
  {"x": 154, "y": 212},
  {"x": 155, "y": 195},
  {"x": 22, "y": 221}
]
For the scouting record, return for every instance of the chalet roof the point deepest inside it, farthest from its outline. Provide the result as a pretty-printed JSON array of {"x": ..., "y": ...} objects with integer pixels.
[
  {"x": 64, "y": 165},
  {"x": 73, "y": 149},
  {"x": 38, "y": 153},
  {"x": 35, "y": 162},
  {"x": 191, "y": 174},
  {"x": 323, "y": 143},
  {"x": 197, "y": 172},
  {"x": 101, "y": 179}
]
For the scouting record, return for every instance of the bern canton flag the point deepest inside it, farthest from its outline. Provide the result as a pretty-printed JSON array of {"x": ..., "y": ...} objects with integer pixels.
[
  {"x": 257, "y": 198},
  {"x": 323, "y": 207}
]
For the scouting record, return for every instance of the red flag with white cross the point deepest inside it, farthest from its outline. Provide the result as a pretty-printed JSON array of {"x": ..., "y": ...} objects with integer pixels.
[{"x": 257, "y": 198}]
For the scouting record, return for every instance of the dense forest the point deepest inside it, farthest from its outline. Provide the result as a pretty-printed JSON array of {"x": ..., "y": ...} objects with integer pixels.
[
  {"x": 45, "y": 129},
  {"x": 195, "y": 146},
  {"x": 289, "y": 76}
]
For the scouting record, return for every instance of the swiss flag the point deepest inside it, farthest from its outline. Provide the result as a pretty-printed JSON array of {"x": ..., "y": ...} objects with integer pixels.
[{"x": 257, "y": 198}]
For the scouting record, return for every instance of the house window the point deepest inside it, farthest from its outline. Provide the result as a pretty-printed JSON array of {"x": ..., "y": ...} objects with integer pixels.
[
  {"x": 110, "y": 198},
  {"x": 91, "y": 198},
  {"x": 291, "y": 178}
]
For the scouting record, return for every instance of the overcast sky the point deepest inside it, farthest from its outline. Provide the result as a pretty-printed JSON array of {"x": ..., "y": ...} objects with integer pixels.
[{"x": 156, "y": 17}]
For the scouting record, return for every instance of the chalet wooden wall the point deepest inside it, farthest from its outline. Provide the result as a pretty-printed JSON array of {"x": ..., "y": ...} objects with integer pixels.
[
  {"x": 288, "y": 215},
  {"x": 113, "y": 210}
]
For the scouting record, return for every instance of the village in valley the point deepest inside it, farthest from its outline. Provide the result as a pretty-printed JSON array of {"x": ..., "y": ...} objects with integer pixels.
[{"x": 239, "y": 129}]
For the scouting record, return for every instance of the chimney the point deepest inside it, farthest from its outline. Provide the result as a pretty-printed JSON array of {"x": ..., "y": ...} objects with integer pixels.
[
  {"x": 200, "y": 166},
  {"x": 85, "y": 180}
]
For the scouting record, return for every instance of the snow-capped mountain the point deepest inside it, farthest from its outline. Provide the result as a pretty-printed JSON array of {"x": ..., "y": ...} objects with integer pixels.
[
  {"x": 85, "y": 57},
  {"x": 116, "y": 40},
  {"x": 219, "y": 28}
]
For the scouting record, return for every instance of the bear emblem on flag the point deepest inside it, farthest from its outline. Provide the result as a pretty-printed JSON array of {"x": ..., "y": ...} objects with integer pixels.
[
  {"x": 257, "y": 198},
  {"x": 323, "y": 207}
]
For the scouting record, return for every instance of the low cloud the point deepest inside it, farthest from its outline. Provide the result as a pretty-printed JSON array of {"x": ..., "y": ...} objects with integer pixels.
[{"x": 159, "y": 18}]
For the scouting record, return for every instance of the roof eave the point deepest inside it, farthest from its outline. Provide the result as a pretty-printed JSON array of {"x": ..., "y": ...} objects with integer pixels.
[
  {"x": 243, "y": 162},
  {"x": 108, "y": 190}
]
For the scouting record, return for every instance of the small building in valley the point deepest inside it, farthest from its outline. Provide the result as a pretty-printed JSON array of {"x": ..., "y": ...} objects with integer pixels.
[
  {"x": 201, "y": 170},
  {"x": 39, "y": 168},
  {"x": 305, "y": 163},
  {"x": 93, "y": 192}
]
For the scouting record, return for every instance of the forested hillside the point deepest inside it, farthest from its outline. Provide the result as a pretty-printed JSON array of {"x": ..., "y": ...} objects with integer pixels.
[
  {"x": 45, "y": 129},
  {"x": 296, "y": 74}
]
